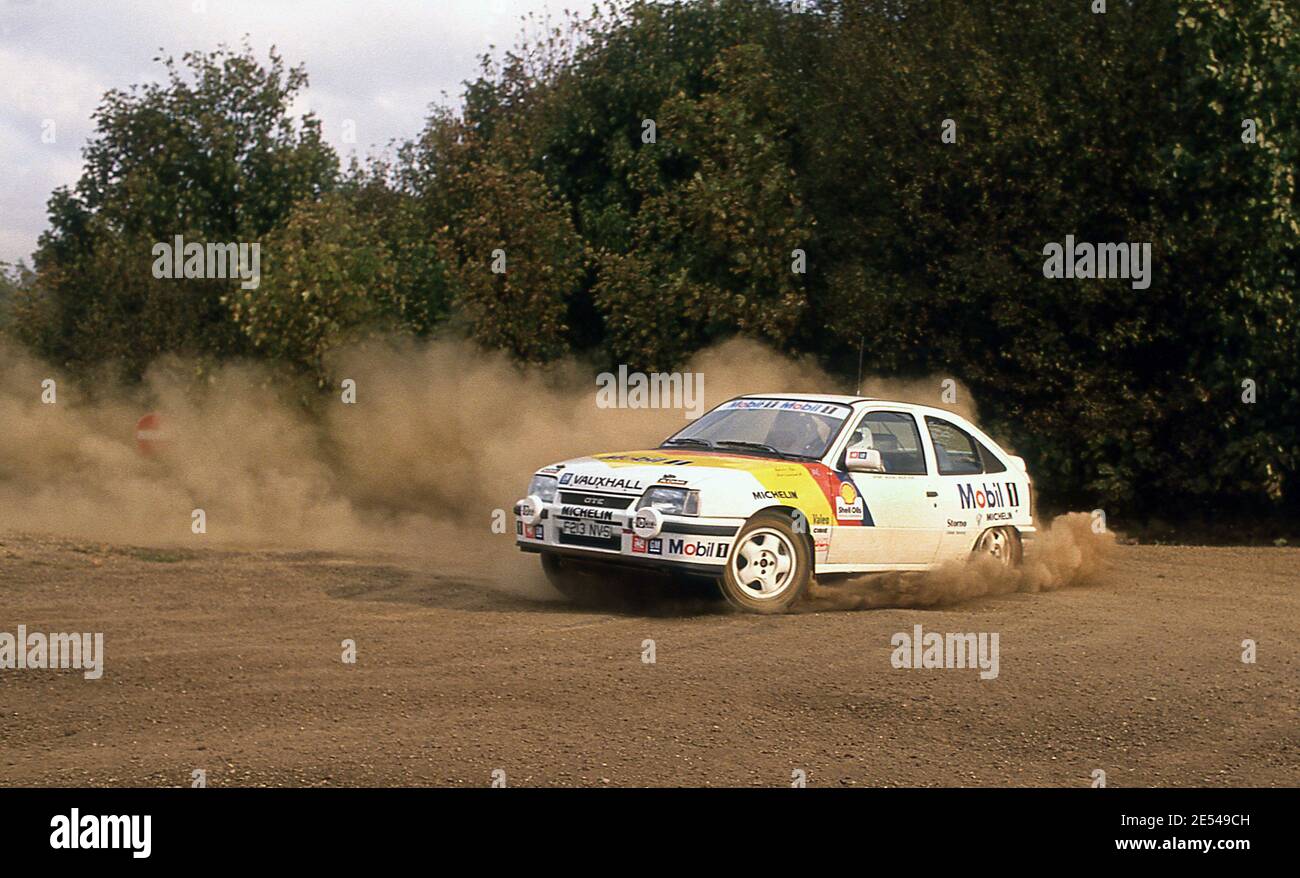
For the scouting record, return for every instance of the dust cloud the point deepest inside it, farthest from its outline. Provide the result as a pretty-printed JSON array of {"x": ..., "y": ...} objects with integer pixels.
[
  {"x": 1067, "y": 553},
  {"x": 441, "y": 436},
  {"x": 440, "y": 442}
]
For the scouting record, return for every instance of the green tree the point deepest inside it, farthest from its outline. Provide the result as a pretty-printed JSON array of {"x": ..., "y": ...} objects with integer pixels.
[
  {"x": 921, "y": 154},
  {"x": 715, "y": 253},
  {"x": 211, "y": 154},
  {"x": 328, "y": 279},
  {"x": 1234, "y": 235},
  {"x": 515, "y": 261}
]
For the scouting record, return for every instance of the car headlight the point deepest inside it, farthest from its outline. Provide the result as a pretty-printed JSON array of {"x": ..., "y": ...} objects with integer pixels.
[
  {"x": 544, "y": 487},
  {"x": 671, "y": 501}
]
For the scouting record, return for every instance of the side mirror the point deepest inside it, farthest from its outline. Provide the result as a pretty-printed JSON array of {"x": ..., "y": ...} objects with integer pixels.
[{"x": 868, "y": 461}]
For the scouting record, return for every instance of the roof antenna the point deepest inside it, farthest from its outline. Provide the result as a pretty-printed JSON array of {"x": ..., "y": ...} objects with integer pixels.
[{"x": 861, "y": 345}]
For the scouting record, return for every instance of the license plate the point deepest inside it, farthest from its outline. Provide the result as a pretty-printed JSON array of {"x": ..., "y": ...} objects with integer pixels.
[{"x": 578, "y": 528}]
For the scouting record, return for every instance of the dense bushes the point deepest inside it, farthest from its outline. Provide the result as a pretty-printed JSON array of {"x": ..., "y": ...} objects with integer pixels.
[{"x": 654, "y": 177}]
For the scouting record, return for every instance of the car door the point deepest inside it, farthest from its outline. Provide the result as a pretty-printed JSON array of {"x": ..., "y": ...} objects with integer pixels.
[
  {"x": 904, "y": 525},
  {"x": 972, "y": 494}
]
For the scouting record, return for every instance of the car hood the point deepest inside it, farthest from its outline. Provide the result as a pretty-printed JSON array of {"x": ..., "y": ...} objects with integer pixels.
[
  {"x": 731, "y": 485},
  {"x": 632, "y": 472}
]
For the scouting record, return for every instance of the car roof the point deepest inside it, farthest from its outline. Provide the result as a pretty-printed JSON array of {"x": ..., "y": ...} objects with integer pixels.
[
  {"x": 843, "y": 399},
  {"x": 818, "y": 397}
]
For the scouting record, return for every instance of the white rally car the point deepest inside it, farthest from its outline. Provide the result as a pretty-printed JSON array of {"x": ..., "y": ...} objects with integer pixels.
[{"x": 766, "y": 491}]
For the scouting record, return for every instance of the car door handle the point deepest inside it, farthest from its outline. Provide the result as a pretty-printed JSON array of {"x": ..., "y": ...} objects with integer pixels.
[{"x": 932, "y": 493}]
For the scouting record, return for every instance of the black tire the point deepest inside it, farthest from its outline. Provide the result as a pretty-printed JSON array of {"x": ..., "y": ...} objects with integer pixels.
[
  {"x": 740, "y": 591},
  {"x": 1012, "y": 551}
]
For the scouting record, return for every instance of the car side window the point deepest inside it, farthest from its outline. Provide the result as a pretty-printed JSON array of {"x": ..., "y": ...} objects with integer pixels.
[
  {"x": 991, "y": 463},
  {"x": 895, "y": 436},
  {"x": 954, "y": 451}
]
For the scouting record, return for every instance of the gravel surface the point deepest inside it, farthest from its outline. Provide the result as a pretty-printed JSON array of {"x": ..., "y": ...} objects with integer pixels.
[{"x": 231, "y": 662}]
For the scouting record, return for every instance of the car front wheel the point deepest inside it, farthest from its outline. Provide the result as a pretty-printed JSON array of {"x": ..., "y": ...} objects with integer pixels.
[{"x": 770, "y": 565}]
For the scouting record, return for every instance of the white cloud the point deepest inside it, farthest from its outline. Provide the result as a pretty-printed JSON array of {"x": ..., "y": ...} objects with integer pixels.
[{"x": 379, "y": 64}]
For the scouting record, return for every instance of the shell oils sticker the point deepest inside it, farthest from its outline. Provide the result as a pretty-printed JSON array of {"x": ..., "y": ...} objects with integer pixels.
[
  {"x": 849, "y": 504},
  {"x": 825, "y": 496},
  {"x": 842, "y": 496}
]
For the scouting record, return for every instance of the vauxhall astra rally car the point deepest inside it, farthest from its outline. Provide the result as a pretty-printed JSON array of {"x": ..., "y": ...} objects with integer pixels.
[{"x": 767, "y": 491}]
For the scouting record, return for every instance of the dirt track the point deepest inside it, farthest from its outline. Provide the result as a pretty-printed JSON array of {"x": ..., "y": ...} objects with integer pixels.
[{"x": 231, "y": 662}]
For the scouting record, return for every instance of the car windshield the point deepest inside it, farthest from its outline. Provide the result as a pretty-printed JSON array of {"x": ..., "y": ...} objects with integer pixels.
[{"x": 781, "y": 427}]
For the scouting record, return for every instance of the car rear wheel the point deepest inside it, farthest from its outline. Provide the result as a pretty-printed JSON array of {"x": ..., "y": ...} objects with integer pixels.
[
  {"x": 1002, "y": 544},
  {"x": 770, "y": 566}
]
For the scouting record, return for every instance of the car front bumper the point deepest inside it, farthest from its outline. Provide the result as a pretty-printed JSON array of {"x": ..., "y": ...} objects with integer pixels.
[{"x": 682, "y": 542}]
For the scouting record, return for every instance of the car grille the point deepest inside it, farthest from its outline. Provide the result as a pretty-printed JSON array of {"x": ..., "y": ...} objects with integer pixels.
[
  {"x": 604, "y": 501},
  {"x": 607, "y": 503}
]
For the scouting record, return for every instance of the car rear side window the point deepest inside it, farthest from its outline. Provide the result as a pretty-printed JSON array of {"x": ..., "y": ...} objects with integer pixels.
[
  {"x": 954, "y": 449},
  {"x": 895, "y": 436},
  {"x": 991, "y": 463}
]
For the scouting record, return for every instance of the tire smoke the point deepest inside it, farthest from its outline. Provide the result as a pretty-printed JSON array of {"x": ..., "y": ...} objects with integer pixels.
[{"x": 1068, "y": 553}]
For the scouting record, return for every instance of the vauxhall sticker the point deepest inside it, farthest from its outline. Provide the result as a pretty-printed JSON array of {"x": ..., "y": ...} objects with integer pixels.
[{"x": 631, "y": 485}]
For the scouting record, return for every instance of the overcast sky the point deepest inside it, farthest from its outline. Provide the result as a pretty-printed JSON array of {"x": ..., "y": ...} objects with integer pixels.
[{"x": 377, "y": 62}]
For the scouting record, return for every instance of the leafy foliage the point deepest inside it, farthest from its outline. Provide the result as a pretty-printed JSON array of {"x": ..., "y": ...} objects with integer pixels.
[
  {"x": 211, "y": 155},
  {"x": 329, "y": 277},
  {"x": 779, "y": 128},
  {"x": 515, "y": 261},
  {"x": 720, "y": 243}
]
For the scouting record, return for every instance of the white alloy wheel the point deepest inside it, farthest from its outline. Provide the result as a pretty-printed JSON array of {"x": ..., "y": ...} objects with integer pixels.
[
  {"x": 764, "y": 564},
  {"x": 1002, "y": 544}
]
